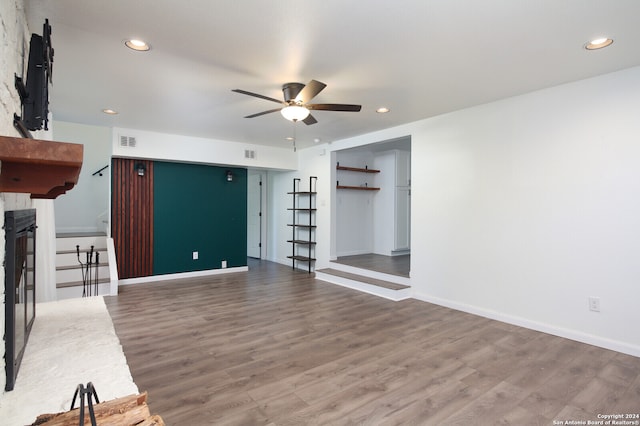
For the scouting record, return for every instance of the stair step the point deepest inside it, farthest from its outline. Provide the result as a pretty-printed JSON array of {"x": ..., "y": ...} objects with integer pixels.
[
  {"x": 387, "y": 289},
  {"x": 74, "y": 273},
  {"x": 70, "y": 258},
  {"x": 83, "y": 251},
  {"x": 76, "y": 291},
  {"x": 80, "y": 234},
  {"x": 80, "y": 283},
  {"x": 69, "y": 271},
  {"x": 67, "y": 242},
  {"x": 78, "y": 266},
  {"x": 373, "y": 281}
]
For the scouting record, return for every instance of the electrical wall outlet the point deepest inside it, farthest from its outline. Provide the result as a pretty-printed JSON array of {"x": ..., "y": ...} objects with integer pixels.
[
  {"x": 594, "y": 304},
  {"x": 224, "y": 263},
  {"x": 195, "y": 255}
]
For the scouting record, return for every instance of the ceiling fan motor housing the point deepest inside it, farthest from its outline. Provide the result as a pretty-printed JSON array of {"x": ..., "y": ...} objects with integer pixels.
[{"x": 291, "y": 90}]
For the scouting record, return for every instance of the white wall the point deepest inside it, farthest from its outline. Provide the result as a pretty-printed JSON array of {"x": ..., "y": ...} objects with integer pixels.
[
  {"x": 87, "y": 207},
  {"x": 384, "y": 203},
  {"x": 162, "y": 146},
  {"x": 84, "y": 208},
  {"x": 354, "y": 208},
  {"x": 278, "y": 184},
  {"x": 365, "y": 220},
  {"x": 530, "y": 206},
  {"x": 525, "y": 207},
  {"x": 313, "y": 161}
]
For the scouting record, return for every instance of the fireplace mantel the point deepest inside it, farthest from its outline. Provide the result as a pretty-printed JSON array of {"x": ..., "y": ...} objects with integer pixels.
[{"x": 44, "y": 169}]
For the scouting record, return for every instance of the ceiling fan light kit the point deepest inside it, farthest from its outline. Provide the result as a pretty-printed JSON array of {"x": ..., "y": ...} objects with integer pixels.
[
  {"x": 294, "y": 112},
  {"x": 296, "y": 106}
]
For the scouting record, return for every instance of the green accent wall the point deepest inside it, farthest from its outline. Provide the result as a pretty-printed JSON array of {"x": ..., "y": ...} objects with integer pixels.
[{"x": 197, "y": 209}]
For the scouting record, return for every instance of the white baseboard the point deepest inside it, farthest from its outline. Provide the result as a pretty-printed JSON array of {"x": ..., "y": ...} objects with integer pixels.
[
  {"x": 576, "y": 335},
  {"x": 354, "y": 253},
  {"x": 400, "y": 252},
  {"x": 181, "y": 275},
  {"x": 287, "y": 262}
]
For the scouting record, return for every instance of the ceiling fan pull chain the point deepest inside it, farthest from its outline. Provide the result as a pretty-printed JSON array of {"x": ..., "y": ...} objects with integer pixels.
[{"x": 294, "y": 135}]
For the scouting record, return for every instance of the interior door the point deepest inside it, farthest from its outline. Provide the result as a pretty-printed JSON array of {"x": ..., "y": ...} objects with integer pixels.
[{"x": 254, "y": 215}]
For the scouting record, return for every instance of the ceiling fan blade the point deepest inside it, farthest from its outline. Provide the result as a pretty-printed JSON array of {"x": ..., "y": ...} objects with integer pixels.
[
  {"x": 309, "y": 120},
  {"x": 334, "y": 107},
  {"x": 263, "y": 113},
  {"x": 255, "y": 95},
  {"x": 310, "y": 91}
]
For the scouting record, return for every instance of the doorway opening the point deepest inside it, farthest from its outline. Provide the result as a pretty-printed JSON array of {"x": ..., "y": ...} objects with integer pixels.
[{"x": 373, "y": 206}]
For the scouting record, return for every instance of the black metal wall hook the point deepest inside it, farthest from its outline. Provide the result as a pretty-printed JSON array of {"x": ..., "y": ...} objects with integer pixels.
[{"x": 99, "y": 172}]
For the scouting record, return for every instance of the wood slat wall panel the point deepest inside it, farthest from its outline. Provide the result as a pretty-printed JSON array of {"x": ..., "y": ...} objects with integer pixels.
[{"x": 132, "y": 218}]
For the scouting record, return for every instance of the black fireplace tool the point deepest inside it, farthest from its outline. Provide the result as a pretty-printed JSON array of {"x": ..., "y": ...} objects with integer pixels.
[
  {"x": 90, "y": 392},
  {"x": 89, "y": 283}
]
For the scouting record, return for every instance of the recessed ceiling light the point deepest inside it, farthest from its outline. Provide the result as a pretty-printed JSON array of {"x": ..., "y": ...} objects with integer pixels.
[
  {"x": 109, "y": 111},
  {"x": 383, "y": 110},
  {"x": 316, "y": 140},
  {"x": 598, "y": 43},
  {"x": 138, "y": 45},
  {"x": 289, "y": 138}
]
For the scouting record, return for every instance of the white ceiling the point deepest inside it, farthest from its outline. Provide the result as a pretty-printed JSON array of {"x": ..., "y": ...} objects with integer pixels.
[{"x": 418, "y": 57}]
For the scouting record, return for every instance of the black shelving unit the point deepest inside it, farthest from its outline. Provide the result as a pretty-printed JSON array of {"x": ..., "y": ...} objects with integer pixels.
[{"x": 303, "y": 223}]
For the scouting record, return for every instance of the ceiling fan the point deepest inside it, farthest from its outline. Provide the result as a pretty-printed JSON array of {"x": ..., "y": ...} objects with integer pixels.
[{"x": 295, "y": 106}]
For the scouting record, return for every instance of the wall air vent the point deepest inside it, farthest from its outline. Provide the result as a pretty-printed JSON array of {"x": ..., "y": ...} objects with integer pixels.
[
  {"x": 249, "y": 153},
  {"x": 129, "y": 141}
]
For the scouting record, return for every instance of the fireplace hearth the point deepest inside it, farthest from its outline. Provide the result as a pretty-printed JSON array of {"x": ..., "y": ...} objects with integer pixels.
[{"x": 19, "y": 287}]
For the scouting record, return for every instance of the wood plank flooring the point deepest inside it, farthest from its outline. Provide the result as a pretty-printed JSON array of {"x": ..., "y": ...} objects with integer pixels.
[{"x": 273, "y": 346}]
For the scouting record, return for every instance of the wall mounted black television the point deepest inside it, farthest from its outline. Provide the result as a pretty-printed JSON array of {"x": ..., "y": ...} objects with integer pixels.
[{"x": 35, "y": 104}]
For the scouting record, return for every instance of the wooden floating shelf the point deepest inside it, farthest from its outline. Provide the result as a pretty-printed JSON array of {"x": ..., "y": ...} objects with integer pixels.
[
  {"x": 44, "y": 169},
  {"x": 357, "y": 169},
  {"x": 301, "y": 241},
  {"x": 301, "y": 258},
  {"x": 359, "y": 188}
]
